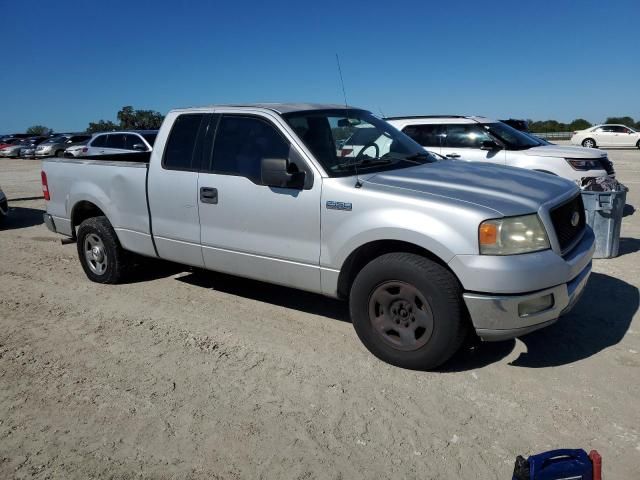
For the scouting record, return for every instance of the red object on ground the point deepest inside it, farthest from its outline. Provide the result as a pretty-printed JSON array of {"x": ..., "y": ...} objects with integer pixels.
[{"x": 596, "y": 460}]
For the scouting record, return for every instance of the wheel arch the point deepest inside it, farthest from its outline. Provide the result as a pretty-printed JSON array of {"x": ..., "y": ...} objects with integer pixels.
[
  {"x": 369, "y": 251},
  {"x": 83, "y": 210}
]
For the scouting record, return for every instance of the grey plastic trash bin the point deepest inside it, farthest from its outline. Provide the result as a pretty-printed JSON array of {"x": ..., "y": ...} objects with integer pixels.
[{"x": 604, "y": 215}]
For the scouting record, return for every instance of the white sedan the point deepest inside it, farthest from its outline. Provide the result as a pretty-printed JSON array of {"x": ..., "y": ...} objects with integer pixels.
[{"x": 607, "y": 136}]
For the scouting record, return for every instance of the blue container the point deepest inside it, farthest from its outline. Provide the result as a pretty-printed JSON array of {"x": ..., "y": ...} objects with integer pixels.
[{"x": 561, "y": 464}]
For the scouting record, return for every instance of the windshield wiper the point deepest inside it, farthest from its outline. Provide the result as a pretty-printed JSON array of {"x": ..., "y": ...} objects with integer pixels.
[
  {"x": 369, "y": 162},
  {"x": 417, "y": 156}
]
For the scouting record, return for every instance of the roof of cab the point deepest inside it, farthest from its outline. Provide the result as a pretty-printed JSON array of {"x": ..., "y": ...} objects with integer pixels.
[
  {"x": 281, "y": 107},
  {"x": 438, "y": 119}
]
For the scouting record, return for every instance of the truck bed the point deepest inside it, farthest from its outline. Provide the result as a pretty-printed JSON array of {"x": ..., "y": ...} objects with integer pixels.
[{"x": 116, "y": 184}]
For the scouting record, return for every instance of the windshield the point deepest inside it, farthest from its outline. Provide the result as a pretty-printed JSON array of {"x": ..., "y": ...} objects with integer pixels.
[
  {"x": 510, "y": 137},
  {"x": 150, "y": 137},
  {"x": 345, "y": 140},
  {"x": 55, "y": 140}
]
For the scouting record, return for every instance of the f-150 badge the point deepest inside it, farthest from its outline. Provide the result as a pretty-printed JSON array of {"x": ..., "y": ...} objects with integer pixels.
[{"x": 338, "y": 206}]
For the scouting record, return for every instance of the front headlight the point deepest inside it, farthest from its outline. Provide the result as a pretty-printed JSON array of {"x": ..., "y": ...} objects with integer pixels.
[
  {"x": 512, "y": 235},
  {"x": 584, "y": 164}
]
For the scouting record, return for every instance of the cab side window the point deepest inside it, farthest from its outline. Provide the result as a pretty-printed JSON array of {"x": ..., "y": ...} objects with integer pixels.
[
  {"x": 465, "y": 136},
  {"x": 426, "y": 135},
  {"x": 242, "y": 142},
  {"x": 99, "y": 141},
  {"x": 181, "y": 150},
  {"x": 130, "y": 140},
  {"x": 115, "y": 140}
]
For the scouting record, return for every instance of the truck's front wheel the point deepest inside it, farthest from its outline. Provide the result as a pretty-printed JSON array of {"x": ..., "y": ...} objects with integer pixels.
[
  {"x": 101, "y": 255},
  {"x": 408, "y": 310}
]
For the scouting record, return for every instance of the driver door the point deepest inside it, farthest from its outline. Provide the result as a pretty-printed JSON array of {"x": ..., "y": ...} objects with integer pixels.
[{"x": 248, "y": 228}]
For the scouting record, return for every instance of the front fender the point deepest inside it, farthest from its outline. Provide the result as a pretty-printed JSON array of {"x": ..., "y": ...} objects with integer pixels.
[{"x": 442, "y": 238}]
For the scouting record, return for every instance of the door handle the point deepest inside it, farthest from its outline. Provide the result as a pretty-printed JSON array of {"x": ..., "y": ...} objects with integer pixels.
[
  {"x": 452, "y": 155},
  {"x": 209, "y": 195}
]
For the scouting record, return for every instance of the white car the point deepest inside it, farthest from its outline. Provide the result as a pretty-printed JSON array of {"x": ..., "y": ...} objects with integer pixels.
[
  {"x": 607, "y": 136},
  {"x": 110, "y": 143},
  {"x": 77, "y": 150},
  {"x": 479, "y": 139}
]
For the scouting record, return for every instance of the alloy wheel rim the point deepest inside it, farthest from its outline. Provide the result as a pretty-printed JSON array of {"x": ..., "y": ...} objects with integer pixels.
[
  {"x": 400, "y": 315},
  {"x": 95, "y": 254}
]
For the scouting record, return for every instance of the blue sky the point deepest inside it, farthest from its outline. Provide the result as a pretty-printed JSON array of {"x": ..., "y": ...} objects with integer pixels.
[{"x": 70, "y": 62}]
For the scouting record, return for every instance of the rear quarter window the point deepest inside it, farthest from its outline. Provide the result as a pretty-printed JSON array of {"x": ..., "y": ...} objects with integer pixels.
[{"x": 180, "y": 152}]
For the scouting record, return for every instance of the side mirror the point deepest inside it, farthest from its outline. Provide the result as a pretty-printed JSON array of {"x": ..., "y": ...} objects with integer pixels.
[
  {"x": 140, "y": 147},
  {"x": 489, "y": 145},
  {"x": 274, "y": 173}
]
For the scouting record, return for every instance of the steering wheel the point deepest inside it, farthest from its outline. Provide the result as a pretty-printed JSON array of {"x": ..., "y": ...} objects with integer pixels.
[{"x": 370, "y": 144}]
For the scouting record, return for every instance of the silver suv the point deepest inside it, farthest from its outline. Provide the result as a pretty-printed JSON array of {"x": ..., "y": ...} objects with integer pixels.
[{"x": 480, "y": 139}]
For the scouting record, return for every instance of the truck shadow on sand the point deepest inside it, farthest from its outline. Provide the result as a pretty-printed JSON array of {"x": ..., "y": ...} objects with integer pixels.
[
  {"x": 599, "y": 320},
  {"x": 269, "y": 293},
  {"x": 22, "y": 217},
  {"x": 628, "y": 245}
]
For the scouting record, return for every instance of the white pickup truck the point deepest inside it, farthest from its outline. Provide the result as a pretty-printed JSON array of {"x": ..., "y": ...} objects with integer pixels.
[{"x": 425, "y": 250}]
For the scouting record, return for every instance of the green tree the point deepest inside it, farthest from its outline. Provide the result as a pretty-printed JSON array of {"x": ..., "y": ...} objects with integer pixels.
[
  {"x": 628, "y": 121},
  {"x": 579, "y": 124},
  {"x": 38, "y": 130},
  {"x": 131, "y": 119},
  {"x": 102, "y": 126}
]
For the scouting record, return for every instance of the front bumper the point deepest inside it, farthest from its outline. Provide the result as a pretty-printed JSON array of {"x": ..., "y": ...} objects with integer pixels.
[{"x": 497, "y": 317}]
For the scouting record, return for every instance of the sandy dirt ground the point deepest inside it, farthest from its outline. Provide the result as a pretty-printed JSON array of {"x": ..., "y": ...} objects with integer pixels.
[{"x": 188, "y": 374}]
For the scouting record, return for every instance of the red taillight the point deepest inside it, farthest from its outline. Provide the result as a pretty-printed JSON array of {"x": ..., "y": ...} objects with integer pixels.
[
  {"x": 345, "y": 151},
  {"x": 45, "y": 186}
]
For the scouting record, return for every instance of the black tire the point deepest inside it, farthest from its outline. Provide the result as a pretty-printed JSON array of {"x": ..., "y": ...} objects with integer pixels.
[
  {"x": 114, "y": 256},
  {"x": 589, "y": 143},
  {"x": 638, "y": 144},
  {"x": 425, "y": 280},
  {"x": 60, "y": 153}
]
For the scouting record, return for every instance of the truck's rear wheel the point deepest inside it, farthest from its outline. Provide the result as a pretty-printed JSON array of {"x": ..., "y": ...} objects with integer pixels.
[
  {"x": 408, "y": 310},
  {"x": 101, "y": 255}
]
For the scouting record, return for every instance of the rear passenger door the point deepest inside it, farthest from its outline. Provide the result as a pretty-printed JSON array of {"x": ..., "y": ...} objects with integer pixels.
[
  {"x": 173, "y": 190},
  {"x": 115, "y": 144},
  {"x": 462, "y": 141},
  {"x": 604, "y": 136},
  {"x": 430, "y": 136},
  {"x": 248, "y": 228},
  {"x": 97, "y": 146}
]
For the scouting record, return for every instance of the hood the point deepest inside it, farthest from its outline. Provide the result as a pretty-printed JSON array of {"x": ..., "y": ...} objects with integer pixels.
[
  {"x": 564, "y": 152},
  {"x": 507, "y": 191}
]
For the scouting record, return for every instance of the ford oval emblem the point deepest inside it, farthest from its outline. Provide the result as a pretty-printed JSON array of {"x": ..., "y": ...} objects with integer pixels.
[{"x": 575, "y": 219}]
